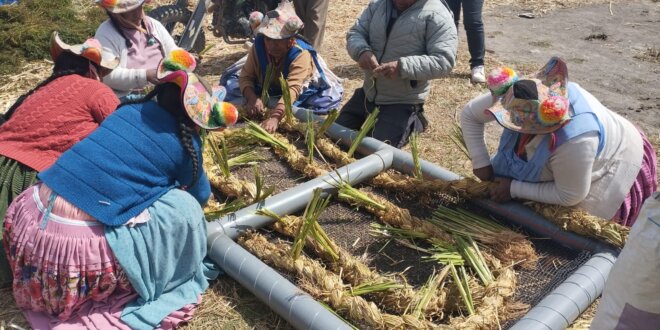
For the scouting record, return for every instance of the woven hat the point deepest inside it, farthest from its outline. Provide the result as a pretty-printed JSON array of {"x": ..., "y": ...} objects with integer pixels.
[
  {"x": 202, "y": 102},
  {"x": 120, "y": 6},
  {"x": 533, "y": 106},
  {"x": 91, "y": 49},
  {"x": 281, "y": 23}
]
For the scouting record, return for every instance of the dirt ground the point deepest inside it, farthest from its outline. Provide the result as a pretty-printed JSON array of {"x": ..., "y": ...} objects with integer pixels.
[{"x": 613, "y": 56}]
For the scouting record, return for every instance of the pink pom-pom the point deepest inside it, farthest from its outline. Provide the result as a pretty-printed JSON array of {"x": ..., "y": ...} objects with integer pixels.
[
  {"x": 553, "y": 110},
  {"x": 499, "y": 80}
]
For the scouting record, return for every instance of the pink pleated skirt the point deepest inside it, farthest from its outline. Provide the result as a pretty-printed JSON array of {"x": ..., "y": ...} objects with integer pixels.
[{"x": 65, "y": 274}]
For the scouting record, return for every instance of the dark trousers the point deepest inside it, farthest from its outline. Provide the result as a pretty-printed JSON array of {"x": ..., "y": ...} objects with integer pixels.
[
  {"x": 474, "y": 27},
  {"x": 395, "y": 121}
]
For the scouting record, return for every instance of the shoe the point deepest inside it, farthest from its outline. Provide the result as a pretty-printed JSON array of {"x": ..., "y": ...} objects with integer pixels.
[{"x": 478, "y": 75}]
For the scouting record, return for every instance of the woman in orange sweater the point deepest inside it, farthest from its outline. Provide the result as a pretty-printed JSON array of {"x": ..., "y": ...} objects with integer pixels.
[{"x": 52, "y": 117}]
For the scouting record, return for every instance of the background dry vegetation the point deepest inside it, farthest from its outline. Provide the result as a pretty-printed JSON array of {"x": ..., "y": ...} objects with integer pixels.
[{"x": 226, "y": 304}]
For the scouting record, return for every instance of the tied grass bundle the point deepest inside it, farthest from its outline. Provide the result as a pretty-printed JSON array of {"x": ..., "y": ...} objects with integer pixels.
[
  {"x": 347, "y": 192},
  {"x": 311, "y": 227},
  {"x": 367, "y": 126},
  {"x": 310, "y": 140},
  {"x": 258, "y": 132},
  {"x": 353, "y": 270},
  {"x": 265, "y": 96},
  {"x": 224, "y": 209},
  {"x": 374, "y": 287},
  {"x": 329, "y": 120},
  {"x": 415, "y": 155},
  {"x": 220, "y": 156},
  {"x": 428, "y": 292},
  {"x": 509, "y": 246},
  {"x": 328, "y": 287},
  {"x": 262, "y": 192},
  {"x": 470, "y": 252},
  {"x": 461, "y": 280},
  {"x": 288, "y": 103}
]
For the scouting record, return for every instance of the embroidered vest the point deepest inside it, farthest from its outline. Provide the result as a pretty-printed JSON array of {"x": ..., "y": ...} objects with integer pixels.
[
  {"x": 293, "y": 53},
  {"x": 507, "y": 163}
]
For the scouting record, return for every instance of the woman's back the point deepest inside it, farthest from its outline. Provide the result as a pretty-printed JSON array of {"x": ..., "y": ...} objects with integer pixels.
[
  {"x": 130, "y": 161},
  {"x": 55, "y": 117}
]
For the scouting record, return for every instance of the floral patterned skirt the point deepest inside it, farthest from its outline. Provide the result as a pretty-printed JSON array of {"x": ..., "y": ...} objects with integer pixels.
[{"x": 59, "y": 262}]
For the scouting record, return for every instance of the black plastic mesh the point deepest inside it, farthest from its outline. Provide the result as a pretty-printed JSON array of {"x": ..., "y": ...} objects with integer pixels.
[{"x": 350, "y": 228}]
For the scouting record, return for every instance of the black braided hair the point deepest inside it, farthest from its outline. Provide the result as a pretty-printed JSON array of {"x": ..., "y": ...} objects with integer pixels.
[
  {"x": 116, "y": 26},
  {"x": 169, "y": 97},
  {"x": 65, "y": 64}
]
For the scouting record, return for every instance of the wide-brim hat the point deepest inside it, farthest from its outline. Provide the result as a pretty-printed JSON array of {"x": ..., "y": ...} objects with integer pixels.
[
  {"x": 203, "y": 103},
  {"x": 532, "y": 106},
  {"x": 91, "y": 49},
  {"x": 281, "y": 23},
  {"x": 120, "y": 6}
]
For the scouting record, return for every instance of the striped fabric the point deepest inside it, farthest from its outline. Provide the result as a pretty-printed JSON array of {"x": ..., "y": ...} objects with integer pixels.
[{"x": 14, "y": 178}]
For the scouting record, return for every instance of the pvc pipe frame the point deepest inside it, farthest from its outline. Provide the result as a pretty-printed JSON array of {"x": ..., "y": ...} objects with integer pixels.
[
  {"x": 294, "y": 305},
  {"x": 564, "y": 304}
]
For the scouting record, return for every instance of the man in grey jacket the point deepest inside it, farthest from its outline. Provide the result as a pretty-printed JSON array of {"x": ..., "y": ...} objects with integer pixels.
[{"x": 400, "y": 45}]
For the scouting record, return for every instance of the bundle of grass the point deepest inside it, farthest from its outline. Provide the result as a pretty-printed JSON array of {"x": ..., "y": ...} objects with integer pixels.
[
  {"x": 217, "y": 165},
  {"x": 366, "y": 127},
  {"x": 388, "y": 212},
  {"x": 466, "y": 188},
  {"x": 509, "y": 246},
  {"x": 284, "y": 149},
  {"x": 221, "y": 209},
  {"x": 288, "y": 103},
  {"x": 583, "y": 223},
  {"x": 496, "y": 305},
  {"x": 395, "y": 297},
  {"x": 265, "y": 97},
  {"x": 310, "y": 228},
  {"x": 328, "y": 287}
]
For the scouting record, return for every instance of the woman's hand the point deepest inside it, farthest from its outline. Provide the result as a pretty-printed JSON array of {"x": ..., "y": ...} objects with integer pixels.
[
  {"x": 389, "y": 70},
  {"x": 502, "y": 191},
  {"x": 270, "y": 124},
  {"x": 152, "y": 76},
  {"x": 255, "y": 107},
  {"x": 367, "y": 61},
  {"x": 484, "y": 173}
]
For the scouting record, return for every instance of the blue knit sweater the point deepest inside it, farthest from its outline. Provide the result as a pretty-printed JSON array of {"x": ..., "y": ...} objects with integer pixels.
[{"x": 130, "y": 161}]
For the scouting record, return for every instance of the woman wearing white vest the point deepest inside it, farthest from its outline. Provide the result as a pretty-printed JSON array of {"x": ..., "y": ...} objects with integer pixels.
[{"x": 559, "y": 146}]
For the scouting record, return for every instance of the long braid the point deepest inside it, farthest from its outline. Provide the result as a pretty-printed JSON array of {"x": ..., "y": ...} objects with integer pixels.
[
  {"x": 22, "y": 98},
  {"x": 186, "y": 132},
  {"x": 114, "y": 23},
  {"x": 170, "y": 99}
]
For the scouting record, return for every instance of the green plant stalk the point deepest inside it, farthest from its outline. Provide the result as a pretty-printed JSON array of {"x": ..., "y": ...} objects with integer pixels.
[
  {"x": 309, "y": 139},
  {"x": 259, "y": 184},
  {"x": 286, "y": 97},
  {"x": 261, "y": 134},
  {"x": 457, "y": 138},
  {"x": 389, "y": 231},
  {"x": 311, "y": 227},
  {"x": 426, "y": 293},
  {"x": 368, "y": 288},
  {"x": 415, "y": 155},
  {"x": 329, "y": 120},
  {"x": 467, "y": 298},
  {"x": 268, "y": 213},
  {"x": 265, "y": 97},
  {"x": 366, "y": 128},
  {"x": 220, "y": 158},
  {"x": 350, "y": 193},
  {"x": 247, "y": 158},
  {"x": 471, "y": 253}
]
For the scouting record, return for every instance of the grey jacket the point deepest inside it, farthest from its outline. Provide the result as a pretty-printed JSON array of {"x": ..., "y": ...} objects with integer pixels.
[{"x": 423, "y": 39}]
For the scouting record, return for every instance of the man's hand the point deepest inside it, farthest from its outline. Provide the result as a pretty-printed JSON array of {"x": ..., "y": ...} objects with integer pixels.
[
  {"x": 502, "y": 191},
  {"x": 484, "y": 173},
  {"x": 254, "y": 107},
  {"x": 270, "y": 124},
  {"x": 389, "y": 70},
  {"x": 367, "y": 61}
]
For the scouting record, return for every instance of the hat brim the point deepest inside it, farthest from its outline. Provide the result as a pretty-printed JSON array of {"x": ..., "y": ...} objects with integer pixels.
[
  {"x": 121, "y": 10},
  {"x": 201, "y": 102},
  {"x": 503, "y": 117},
  {"x": 57, "y": 47}
]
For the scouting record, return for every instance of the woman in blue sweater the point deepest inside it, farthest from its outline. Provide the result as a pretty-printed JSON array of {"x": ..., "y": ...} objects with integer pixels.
[{"x": 114, "y": 234}]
